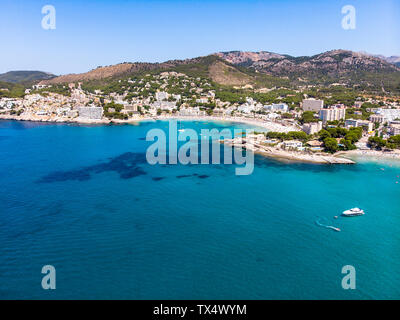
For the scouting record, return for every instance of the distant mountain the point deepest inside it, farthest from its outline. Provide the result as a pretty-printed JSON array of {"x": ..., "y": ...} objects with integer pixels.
[
  {"x": 392, "y": 59},
  {"x": 332, "y": 63},
  {"x": 25, "y": 76}
]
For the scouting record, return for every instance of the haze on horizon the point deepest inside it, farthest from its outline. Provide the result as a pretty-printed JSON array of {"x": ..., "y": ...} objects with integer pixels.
[{"x": 92, "y": 33}]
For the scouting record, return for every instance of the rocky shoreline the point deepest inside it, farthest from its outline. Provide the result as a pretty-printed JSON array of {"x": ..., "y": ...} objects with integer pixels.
[
  {"x": 276, "y": 153},
  {"x": 309, "y": 158}
]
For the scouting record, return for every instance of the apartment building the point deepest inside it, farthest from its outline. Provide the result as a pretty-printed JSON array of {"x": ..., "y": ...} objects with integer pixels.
[{"x": 312, "y": 105}]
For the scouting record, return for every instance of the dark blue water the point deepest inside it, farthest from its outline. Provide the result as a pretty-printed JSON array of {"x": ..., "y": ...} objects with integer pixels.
[{"x": 84, "y": 199}]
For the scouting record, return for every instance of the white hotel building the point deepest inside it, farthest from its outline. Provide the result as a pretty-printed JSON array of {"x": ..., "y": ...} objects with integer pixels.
[
  {"x": 282, "y": 107},
  {"x": 332, "y": 114}
]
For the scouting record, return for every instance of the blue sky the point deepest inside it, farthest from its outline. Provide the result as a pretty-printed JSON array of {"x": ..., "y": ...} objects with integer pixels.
[{"x": 98, "y": 33}]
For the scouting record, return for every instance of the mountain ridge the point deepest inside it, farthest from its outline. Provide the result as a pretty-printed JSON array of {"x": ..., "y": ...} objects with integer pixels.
[{"x": 237, "y": 68}]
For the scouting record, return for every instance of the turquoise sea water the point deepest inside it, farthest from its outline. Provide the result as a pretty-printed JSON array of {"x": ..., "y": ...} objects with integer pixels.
[{"x": 83, "y": 198}]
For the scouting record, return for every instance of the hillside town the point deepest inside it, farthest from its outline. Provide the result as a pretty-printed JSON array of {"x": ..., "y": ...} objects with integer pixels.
[{"x": 365, "y": 124}]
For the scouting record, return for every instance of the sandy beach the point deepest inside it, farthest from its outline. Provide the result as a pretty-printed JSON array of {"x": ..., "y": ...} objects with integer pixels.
[
  {"x": 373, "y": 154},
  {"x": 267, "y": 125}
]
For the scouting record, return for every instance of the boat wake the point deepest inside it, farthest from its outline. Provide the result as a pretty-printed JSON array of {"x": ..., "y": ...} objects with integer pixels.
[{"x": 320, "y": 222}]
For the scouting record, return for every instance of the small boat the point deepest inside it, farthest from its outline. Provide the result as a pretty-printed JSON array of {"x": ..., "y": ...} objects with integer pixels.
[{"x": 353, "y": 212}]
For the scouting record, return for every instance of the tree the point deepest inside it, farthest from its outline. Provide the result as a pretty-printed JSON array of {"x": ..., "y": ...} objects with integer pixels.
[
  {"x": 287, "y": 115},
  {"x": 331, "y": 145},
  {"x": 323, "y": 134},
  {"x": 333, "y": 132},
  {"x": 358, "y": 131},
  {"x": 297, "y": 135},
  {"x": 348, "y": 145},
  {"x": 308, "y": 116},
  {"x": 390, "y": 146},
  {"x": 352, "y": 137},
  {"x": 395, "y": 140},
  {"x": 376, "y": 142}
]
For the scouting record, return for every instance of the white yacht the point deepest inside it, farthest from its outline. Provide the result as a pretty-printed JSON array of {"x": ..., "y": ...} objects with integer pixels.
[{"x": 353, "y": 212}]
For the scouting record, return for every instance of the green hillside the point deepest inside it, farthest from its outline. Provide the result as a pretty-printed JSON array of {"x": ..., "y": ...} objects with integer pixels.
[{"x": 25, "y": 76}]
